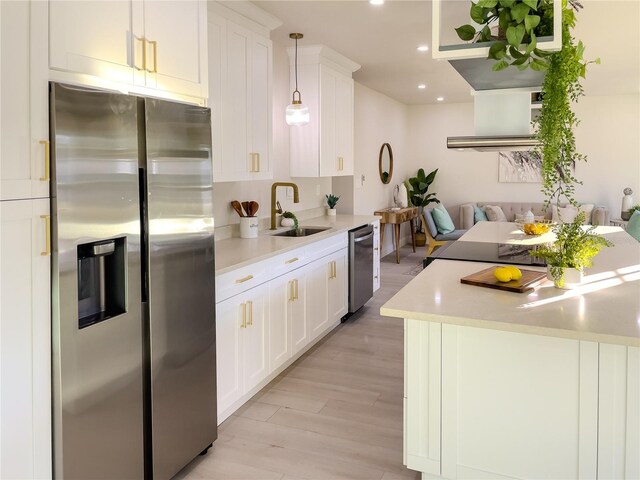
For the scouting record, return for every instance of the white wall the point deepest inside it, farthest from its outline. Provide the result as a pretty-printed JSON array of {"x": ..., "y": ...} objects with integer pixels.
[
  {"x": 608, "y": 135},
  {"x": 378, "y": 119},
  {"x": 260, "y": 191}
]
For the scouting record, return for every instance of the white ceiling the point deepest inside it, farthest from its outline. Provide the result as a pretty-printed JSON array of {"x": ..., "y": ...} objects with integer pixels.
[{"x": 383, "y": 39}]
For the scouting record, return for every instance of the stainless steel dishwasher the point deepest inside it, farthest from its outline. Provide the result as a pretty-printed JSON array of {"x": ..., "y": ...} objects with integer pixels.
[{"x": 360, "y": 267}]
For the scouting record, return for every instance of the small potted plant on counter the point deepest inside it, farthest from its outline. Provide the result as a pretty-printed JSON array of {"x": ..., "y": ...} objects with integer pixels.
[
  {"x": 289, "y": 220},
  {"x": 332, "y": 201},
  {"x": 572, "y": 252}
]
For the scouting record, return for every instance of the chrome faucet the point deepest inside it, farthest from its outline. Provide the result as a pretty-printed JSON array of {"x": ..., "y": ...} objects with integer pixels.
[{"x": 275, "y": 210}]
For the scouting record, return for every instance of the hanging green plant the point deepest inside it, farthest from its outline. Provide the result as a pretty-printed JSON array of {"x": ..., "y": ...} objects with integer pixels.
[
  {"x": 514, "y": 27},
  {"x": 554, "y": 127}
]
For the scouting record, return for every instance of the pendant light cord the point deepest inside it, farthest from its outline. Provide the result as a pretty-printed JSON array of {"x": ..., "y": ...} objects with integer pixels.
[{"x": 296, "y": 65}]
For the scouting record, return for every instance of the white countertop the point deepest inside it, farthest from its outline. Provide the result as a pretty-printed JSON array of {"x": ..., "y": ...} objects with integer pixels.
[
  {"x": 605, "y": 308},
  {"x": 234, "y": 253}
]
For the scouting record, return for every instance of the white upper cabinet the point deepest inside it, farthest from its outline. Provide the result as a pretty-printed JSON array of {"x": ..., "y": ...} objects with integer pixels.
[
  {"x": 323, "y": 147},
  {"x": 151, "y": 43},
  {"x": 24, "y": 152},
  {"x": 240, "y": 63}
]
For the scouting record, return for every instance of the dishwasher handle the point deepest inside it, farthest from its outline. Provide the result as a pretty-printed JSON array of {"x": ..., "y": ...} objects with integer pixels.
[{"x": 362, "y": 239}]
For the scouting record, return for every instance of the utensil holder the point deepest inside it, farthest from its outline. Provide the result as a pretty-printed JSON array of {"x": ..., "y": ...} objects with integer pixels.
[{"x": 249, "y": 227}]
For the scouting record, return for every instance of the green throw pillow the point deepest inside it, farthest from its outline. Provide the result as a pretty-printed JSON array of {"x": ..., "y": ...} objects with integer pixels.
[
  {"x": 633, "y": 227},
  {"x": 443, "y": 221},
  {"x": 479, "y": 215}
]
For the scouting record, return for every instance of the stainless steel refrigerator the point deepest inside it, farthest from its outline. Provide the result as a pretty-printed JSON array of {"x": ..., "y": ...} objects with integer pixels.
[{"x": 134, "y": 385}]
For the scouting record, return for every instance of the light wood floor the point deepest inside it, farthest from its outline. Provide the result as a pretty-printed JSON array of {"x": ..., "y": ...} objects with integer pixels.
[{"x": 336, "y": 413}]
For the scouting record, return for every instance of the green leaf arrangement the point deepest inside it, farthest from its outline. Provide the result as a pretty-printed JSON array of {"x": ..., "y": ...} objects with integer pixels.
[
  {"x": 575, "y": 247},
  {"x": 554, "y": 127},
  {"x": 292, "y": 216},
  {"x": 332, "y": 200},
  {"x": 419, "y": 187},
  {"x": 519, "y": 24}
]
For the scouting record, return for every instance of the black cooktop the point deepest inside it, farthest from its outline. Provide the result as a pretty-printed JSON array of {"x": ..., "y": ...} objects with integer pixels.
[{"x": 486, "y": 252}]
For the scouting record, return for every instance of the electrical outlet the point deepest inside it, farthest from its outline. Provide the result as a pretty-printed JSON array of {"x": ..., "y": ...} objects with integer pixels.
[{"x": 289, "y": 192}]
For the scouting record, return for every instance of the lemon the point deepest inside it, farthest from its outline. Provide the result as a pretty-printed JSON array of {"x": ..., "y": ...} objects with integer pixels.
[
  {"x": 503, "y": 274},
  {"x": 516, "y": 274}
]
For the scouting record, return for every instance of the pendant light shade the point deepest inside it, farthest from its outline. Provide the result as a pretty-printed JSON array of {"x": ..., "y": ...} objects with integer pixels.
[{"x": 297, "y": 113}]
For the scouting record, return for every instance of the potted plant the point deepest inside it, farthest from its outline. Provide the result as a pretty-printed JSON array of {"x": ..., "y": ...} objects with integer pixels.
[
  {"x": 571, "y": 252},
  {"x": 289, "y": 220},
  {"x": 332, "y": 201},
  {"x": 419, "y": 197}
]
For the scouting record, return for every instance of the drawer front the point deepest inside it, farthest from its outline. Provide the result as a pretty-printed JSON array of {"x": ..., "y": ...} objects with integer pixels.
[
  {"x": 240, "y": 280},
  {"x": 325, "y": 247},
  {"x": 286, "y": 262}
]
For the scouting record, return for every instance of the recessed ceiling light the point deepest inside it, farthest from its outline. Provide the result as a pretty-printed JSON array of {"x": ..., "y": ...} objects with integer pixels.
[
  {"x": 440, "y": 99},
  {"x": 423, "y": 48},
  {"x": 422, "y": 86},
  {"x": 376, "y": 2}
]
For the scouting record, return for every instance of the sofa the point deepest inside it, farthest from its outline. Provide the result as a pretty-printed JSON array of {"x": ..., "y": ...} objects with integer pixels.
[{"x": 599, "y": 214}]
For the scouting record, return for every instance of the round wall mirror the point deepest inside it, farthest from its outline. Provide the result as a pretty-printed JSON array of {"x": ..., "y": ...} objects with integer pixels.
[{"x": 385, "y": 163}]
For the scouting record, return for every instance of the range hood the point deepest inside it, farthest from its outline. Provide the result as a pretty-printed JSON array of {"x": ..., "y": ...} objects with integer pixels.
[{"x": 502, "y": 120}]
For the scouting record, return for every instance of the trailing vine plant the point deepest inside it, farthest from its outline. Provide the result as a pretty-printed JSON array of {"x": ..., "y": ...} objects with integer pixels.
[{"x": 554, "y": 127}]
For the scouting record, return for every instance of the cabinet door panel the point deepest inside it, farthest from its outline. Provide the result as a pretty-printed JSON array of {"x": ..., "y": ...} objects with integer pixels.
[
  {"x": 228, "y": 352},
  {"x": 328, "y": 156},
  {"x": 317, "y": 305},
  {"x": 260, "y": 110},
  {"x": 179, "y": 54},
  {"x": 22, "y": 157},
  {"x": 298, "y": 311},
  {"x": 337, "y": 287},
  {"x": 505, "y": 395},
  {"x": 254, "y": 342},
  {"x": 92, "y": 37},
  {"x": 217, "y": 54},
  {"x": 235, "y": 128},
  {"x": 344, "y": 124},
  {"x": 281, "y": 295},
  {"x": 25, "y": 339}
]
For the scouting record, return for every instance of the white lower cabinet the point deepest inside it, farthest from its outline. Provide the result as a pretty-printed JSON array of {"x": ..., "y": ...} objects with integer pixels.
[
  {"x": 261, "y": 330},
  {"x": 25, "y": 340},
  {"x": 241, "y": 343},
  {"x": 481, "y": 403}
]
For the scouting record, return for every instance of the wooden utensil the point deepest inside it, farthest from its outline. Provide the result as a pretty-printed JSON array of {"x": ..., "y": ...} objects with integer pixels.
[
  {"x": 485, "y": 278},
  {"x": 245, "y": 206},
  {"x": 237, "y": 207},
  {"x": 253, "y": 208}
]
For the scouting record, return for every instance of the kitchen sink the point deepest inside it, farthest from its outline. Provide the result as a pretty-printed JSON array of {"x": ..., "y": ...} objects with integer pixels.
[{"x": 301, "y": 232}]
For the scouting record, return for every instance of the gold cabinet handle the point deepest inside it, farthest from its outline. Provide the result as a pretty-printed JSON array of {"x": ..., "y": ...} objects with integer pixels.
[
  {"x": 47, "y": 160},
  {"x": 143, "y": 41},
  {"x": 244, "y": 279},
  {"x": 154, "y": 43},
  {"x": 335, "y": 269},
  {"x": 47, "y": 235},
  {"x": 292, "y": 295},
  {"x": 292, "y": 260},
  {"x": 244, "y": 316},
  {"x": 250, "y": 313},
  {"x": 253, "y": 162},
  {"x": 258, "y": 161},
  {"x": 296, "y": 287}
]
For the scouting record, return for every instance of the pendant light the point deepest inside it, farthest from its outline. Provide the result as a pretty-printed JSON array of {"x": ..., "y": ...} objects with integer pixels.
[{"x": 297, "y": 113}]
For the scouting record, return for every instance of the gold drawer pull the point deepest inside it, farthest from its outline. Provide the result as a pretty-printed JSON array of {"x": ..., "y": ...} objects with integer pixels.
[
  {"x": 244, "y": 316},
  {"x": 47, "y": 235},
  {"x": 47, "y": 160},
  {"x": 292, "y": 260},
  {"x": 250, "y": 313},
  {"x": 292, "y": 297},
  {"x": 296, "y": 284},
  {"x": 244, "y": 279}
]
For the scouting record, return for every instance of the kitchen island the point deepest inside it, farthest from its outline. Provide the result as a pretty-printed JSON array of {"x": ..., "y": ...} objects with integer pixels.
[{"x": 544, "y": 384}]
